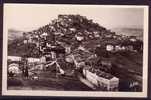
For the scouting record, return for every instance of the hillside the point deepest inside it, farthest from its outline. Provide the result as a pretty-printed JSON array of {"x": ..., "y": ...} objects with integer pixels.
[
  {"x": 138, "y": 32},
  {"x": 65, "y": 29},
  {"x": 76, "y": 31}
]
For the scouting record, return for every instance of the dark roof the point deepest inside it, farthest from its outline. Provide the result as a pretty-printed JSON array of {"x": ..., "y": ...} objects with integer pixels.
[{"x": 101, "y": 73}]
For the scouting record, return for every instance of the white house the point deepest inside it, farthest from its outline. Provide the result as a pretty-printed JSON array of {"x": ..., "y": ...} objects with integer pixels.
[
  {"x": 33, "y": 60},
  {"x": 79, "y": 37},
  {"x": 72, "y": 29},
  {"x": 67, "y": 49},
  {"x": 109, "y": 47},
  {"x": 133, "y": 39}
]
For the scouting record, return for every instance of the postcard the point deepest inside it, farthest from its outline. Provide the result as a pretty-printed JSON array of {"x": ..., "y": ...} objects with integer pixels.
[{"x": 75, "y": 50}]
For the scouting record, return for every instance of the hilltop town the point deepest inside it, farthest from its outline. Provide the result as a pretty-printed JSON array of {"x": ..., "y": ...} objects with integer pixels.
[{"x": 73, "y": 45}]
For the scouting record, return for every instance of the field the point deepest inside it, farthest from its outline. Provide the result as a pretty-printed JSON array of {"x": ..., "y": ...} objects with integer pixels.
[{"x": 47, "y": 83}]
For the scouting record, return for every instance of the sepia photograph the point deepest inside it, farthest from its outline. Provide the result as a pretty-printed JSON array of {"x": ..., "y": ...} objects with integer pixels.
[{"x": 75, "y": 50}]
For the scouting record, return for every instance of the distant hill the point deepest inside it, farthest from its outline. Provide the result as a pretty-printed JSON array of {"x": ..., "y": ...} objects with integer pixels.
[
  {"x": 138, "y": 32},
  {"x": 14, "y": 34}
]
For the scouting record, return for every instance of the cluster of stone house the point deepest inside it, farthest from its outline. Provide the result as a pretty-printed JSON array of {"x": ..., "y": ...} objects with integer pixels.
[
  {"x": 13, "y": 65},
  {"x": 121, "y": 43}
]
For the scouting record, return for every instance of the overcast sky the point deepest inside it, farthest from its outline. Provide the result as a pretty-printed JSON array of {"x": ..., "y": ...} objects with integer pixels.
[{"x": 29, "y": 17}]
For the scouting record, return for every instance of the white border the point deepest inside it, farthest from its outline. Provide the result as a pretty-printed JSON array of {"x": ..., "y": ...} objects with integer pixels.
[{"x": 77, "y": 93}]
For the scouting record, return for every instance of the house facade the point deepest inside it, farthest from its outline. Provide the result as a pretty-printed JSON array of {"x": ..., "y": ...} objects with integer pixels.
[{"x": 102, "y": 80}]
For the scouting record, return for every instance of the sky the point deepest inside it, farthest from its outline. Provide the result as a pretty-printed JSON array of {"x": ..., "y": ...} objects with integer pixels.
[{"x": 27, "y": 17}]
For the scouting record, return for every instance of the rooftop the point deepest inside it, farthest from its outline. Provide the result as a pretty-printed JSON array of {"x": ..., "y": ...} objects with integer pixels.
[{"x": 101, "y": 73}]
